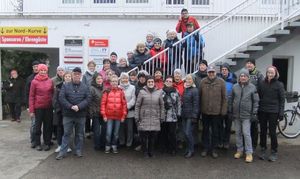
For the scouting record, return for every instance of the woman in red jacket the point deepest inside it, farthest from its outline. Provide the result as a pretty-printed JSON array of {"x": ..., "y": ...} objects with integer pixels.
[
  {"x": 114, "y": 111},
  {"x": 40, "y": 106}
]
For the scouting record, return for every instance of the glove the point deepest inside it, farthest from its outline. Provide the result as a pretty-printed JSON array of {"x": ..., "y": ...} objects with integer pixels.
[{"x": 254, "y": 118}]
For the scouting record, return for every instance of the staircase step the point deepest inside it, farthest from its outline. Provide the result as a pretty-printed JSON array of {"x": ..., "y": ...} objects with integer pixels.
[
  {"x": 238, "y": 55},
  {"x": 263, "y": 41},
  {"x": 251, "y": 48},
  {"x": 294, "y": 24},
  {"x": 279, "y": 32}
]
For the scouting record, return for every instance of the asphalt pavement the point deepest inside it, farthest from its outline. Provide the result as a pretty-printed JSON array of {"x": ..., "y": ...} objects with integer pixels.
[{"x": 18, "y": 160}]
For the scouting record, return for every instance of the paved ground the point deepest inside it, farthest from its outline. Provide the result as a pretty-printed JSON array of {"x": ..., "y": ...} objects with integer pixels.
[{"x": 17, "y": 160}]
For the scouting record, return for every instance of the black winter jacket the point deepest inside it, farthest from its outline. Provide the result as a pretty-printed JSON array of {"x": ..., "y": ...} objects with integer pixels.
[
  {"x": 14, "y": 90},
  {"x": 272, "y": 97},
  {"x": 74, "y": 94},
  {"x": 190, "y": 103}
]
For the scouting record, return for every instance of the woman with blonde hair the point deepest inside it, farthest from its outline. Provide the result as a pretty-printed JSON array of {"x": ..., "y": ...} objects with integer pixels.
[{"x": 141, "y": 54}]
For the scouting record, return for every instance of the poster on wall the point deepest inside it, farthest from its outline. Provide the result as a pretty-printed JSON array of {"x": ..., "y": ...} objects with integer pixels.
[
  {"x": 98, "y": 50},
  {"x": 23, "y": 35},
  {"x": 73, "y": 50}
]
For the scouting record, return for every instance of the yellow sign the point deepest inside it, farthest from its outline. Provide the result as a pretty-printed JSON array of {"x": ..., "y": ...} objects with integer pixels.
[{"x": 17, "y": 31}]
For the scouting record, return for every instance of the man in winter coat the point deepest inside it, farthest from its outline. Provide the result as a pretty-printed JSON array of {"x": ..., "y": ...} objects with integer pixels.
[
  {"x": 255, "y": 78},
  {"x": 226, "y": 122},
  {"x": 243, "y": 105},
  {"x": 184, "y": 19},
  {"x": 74, "y": 98},
  {"x": 213, "y": 106},
  {"x": 114, "y": 64},
  {"x": 14, "y": 94},
  {"x": 201, "y": 73}
]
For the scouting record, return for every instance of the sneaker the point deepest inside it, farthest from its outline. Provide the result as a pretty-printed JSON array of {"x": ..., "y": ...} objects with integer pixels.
[
  {"x": 69, "y": 150},
  {"x": 263, "y": 155},
  {"x": 59, "y": 156},
  {"x": 107, "y": 149},
  {"x": 47, "y": 148},
  {"x": 78, "y": 154},
  {"x": 238, "y": 155},
  {"x": 273, "y": 157},
  {"x": 214, "y": 154},
  {"x": 39, "y": 148},
  {"x": 249, "y": 158},
  {"x": 57, "y": 149},
  {"x": 115, "y": 149},
  {"x": 204, "y": 153}
]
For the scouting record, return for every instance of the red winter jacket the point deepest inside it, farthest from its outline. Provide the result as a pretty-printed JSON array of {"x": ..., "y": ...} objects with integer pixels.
[
  {"x": 41, "y": 93},
  {"x": 181, "y": 25},
  {"x": 162, "y": 58},
  {"x": 159, "y": 84},
  {"x": 179, "y": 87},
  {"x": 113, "y": 104}
]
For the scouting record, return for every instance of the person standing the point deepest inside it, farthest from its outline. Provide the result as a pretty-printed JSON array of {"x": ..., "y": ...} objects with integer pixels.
[
  {"x": 226, "y": 121},
  {"x": 255, "y": 78},
  {"x": 184, "y": 19},
  {"x": 158, "y": 76},
  {"x": 113, "y": 63},
  {"x": 126, "y": 128},
  {"x": 271, "y": 108},
  {"x": 26, "y": 100},
  {"x": 40, "y": 106},
  {"x": 14, "y": 94},
  {"x": 96, "y": 91},
  {"x": 141, "y": 54},
  {"x": 190, "y": 113},
  {"x": 114, "y": 111},
  {"x": 243, "y": 105},
  {"x": 173, "y": 112},
  {"x": 74, "y": 98},
  {"x": 149, "y": 112},
  {"x": 199, "y": 75},
  {"x": 213, "y": 106}
]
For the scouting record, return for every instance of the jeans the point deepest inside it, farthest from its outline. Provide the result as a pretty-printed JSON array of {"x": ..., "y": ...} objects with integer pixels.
[
  {"x": 43, "y": 117},
  {"x": 210, "y": 133},
  {"x": 98, "y": 128},
  {"x": 15, "y": 110},
  {"x": 148, "y": 141},
  {"x": 225, "y": 130},
  {"x": 112, "y": 132},
  {"x": 168, "y": 131},
  {"x": 242, "y": 129},
  {"x": 69, "y": 123},
  {"x": 188, "y": 131},
  {"x": 264, "y": 119},
  {"x": 126, "y": 132},
  {"x": 32, "y": 129}
]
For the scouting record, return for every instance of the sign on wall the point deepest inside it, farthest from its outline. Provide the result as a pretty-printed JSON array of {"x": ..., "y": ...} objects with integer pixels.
[
  {"x": 24, "y": 35},
  {"x": 98, "y": 49},
  {"x": 73, "y": 50}
]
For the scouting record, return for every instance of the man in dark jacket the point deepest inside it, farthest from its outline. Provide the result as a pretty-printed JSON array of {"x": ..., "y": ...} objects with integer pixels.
[
  {"x": 74, "y": 98},
  {"x": 213, "y": 106},
  {"x": 26, "y": 100},
  {"x": 14, "y": 94},
  {"x": 226, "y": 122},
  {"x": 255, "y": 78},
  {"x": 114, "y": 64},
  {"x": 201, "y": 73}
]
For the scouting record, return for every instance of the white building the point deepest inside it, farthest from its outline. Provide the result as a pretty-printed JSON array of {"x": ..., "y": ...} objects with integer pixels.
[{"x": 230, "y": 29}]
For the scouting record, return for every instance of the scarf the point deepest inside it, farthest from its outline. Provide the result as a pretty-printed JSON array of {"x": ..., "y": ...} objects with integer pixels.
[
  {"x": 41, "y": 77},
  {"x": 169, "y": 90}
]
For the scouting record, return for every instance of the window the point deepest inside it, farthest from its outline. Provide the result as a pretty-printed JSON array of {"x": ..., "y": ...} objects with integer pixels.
[
  {"x": 174, "y": 2},
  {"x": 72, "y": 1},
  {"x": 104, "y": 1},
  {"x": 137, "y": 1},
  {"x": 200, "y": 2}
]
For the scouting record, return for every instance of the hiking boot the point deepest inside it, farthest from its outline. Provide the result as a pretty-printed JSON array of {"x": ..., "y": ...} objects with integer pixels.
[
  {"x": 249, "y": 158},
  {"x": 115, "y": 149},
  {"x": 107, "y": 149},
  {"x": 273, "y": 157},
  {"x": 238, "y": 155},
  {"x": 47, "y": 148},
  {"x": 214, "y": 154}
]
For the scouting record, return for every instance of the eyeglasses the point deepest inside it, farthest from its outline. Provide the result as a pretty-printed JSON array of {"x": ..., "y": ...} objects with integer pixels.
[{"x": 169, "y": 81}]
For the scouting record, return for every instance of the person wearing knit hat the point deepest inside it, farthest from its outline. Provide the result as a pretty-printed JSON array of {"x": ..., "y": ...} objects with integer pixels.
[
  {"x": 40, "y": 107},
  {"x": 244, "y": 106},
  {"x": 226, "y": 121},
  {"x": 142, "y": 75},
  {"x": 255, "y": 78}
]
